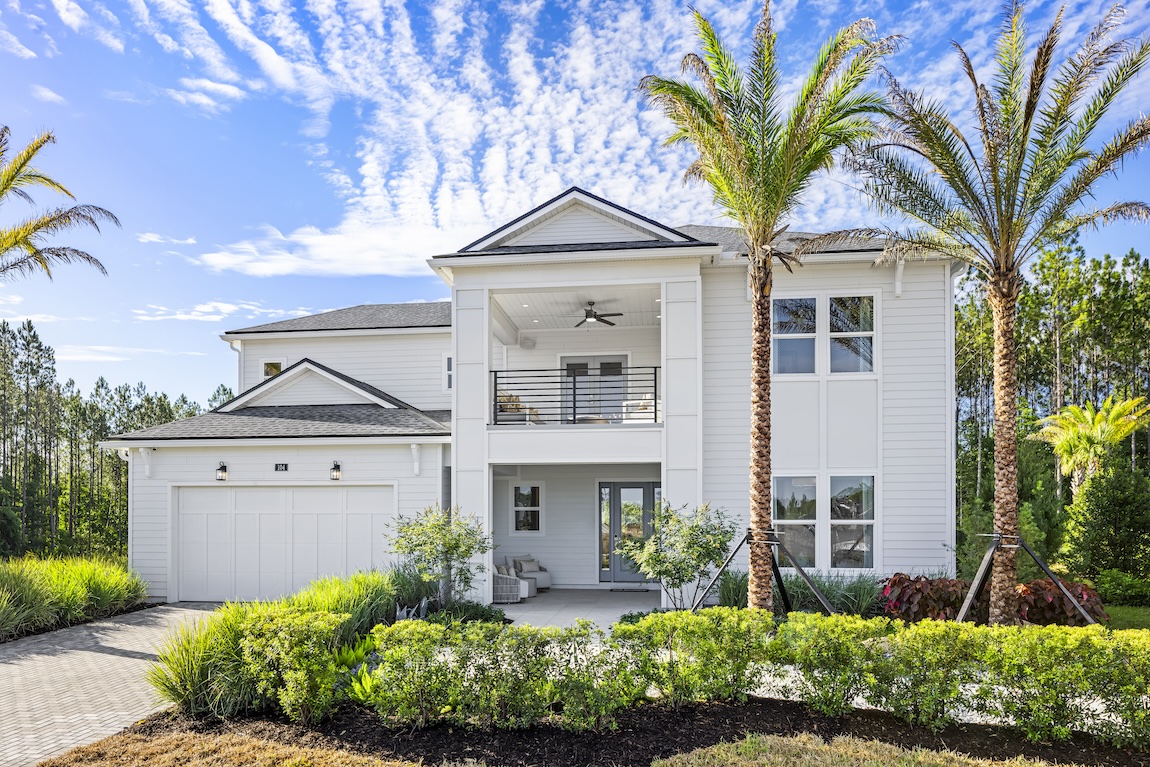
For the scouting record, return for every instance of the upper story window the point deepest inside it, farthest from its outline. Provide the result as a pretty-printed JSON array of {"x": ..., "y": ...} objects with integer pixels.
[
  {"x": 852, "y": 334},
  {"x": 834, "y": 334},
  {"x": 794, "y": 328},
  {"x": 448, "y": 373},
  {"x": 271, "y": 367}
]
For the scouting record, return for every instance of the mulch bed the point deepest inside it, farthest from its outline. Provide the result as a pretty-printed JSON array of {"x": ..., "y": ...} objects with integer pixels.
[{"x": 645, "y": 734}]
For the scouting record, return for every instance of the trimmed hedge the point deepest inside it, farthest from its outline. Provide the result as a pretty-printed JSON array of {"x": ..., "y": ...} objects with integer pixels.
[
  {"x": 1119, "y": 588},
  {"x": 43, "y": 594}
]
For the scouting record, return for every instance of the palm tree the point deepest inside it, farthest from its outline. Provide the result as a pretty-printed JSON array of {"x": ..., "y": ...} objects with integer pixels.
[
  {"x": 759, "y": 152},
  {"x": 22, "y": 249},
  {"x": 1022, "y": 182},
  {"x": 1082, "y": 436}
]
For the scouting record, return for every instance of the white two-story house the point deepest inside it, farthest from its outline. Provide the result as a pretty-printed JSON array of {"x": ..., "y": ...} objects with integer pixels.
[{"x": 591, "y": 363}]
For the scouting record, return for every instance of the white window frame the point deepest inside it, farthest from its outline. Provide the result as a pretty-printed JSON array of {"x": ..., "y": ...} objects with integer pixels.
[
  {"x": 823, "y": 522},
  {"x": 511, "y": 485},
  {"x": 282, "y": 363},
  {"x": 816, "y": 335},
  {"x": 448, "y": 369},
  {"x": 872, "y": 333}
]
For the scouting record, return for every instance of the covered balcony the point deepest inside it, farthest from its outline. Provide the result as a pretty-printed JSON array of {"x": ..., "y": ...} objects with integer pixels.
[{"x": 583, "y": 357}]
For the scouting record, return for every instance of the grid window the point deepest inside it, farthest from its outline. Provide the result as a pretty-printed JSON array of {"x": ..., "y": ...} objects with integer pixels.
[
  {"x": 793, "y": 328},
  {"x": 795, "y": 513},
  {"x": 527, "y": 508},
  {"x": 852, "y": 334},
  {"x": 272, "y": 368},
  {"x": 448, "y": 373},
  {"x": 852, "y": 522}
]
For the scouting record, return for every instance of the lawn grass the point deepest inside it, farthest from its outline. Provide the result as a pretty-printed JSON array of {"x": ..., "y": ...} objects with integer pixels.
[
  {"x": 811, "y": 751},
  {"x": 1128, "y": 617},
  {"x": 234, "y": 750},
  {"x": 214, "y": 750},
  {"x": 42, "y": 594}
]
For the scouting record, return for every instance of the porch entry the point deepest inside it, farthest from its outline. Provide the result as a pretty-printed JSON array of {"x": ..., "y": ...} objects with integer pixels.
[
  {"x": 626, "y": 511},
  {"x": 594, "y": 388}
]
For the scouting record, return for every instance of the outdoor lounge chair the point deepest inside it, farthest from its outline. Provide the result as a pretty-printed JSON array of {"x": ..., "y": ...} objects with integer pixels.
[{"x": 541, "y": 577}]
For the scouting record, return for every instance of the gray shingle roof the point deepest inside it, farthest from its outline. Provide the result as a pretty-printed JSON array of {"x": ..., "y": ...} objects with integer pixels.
[
  {"x": 730, "y": 238},
  {"x": 298, "y": 421},
  {"x": 434, "y": 314}
]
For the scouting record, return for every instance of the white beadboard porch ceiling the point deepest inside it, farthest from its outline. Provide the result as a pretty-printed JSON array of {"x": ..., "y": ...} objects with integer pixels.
[{"x": 562, "y": 309}]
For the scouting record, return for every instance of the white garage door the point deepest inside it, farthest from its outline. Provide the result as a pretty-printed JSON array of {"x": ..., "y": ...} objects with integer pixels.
[{"x": 241, "y": 543}]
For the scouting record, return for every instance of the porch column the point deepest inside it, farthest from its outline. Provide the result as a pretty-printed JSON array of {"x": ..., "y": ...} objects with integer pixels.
[
  {"x": 682, "y": 393},
  {"x": 471, "y": 349}
]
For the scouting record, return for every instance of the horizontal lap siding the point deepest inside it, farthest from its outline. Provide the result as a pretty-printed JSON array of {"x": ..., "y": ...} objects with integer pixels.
[
  {"x": 409, "y": 367},
  {"x": 642, "y": 343},
  {"x": 916, "y": 415},
  {"x": 150, "y": 498},
  {"x": 578, "y": 225}
]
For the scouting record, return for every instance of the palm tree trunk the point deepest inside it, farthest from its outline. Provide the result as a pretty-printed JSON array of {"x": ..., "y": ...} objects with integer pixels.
[
  {"x": 1003, "y": 297},
  {"x": 1077, "y": 477},
  {"x": 759, "y": 591}
]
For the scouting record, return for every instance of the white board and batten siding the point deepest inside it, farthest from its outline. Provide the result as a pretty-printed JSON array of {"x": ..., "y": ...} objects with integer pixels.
[
  {"x": 406, "y": 366},
  {"x": 895, "y": 424},
  {"x": 577, "y": 224},
  {"x": 299, "y": 514}
]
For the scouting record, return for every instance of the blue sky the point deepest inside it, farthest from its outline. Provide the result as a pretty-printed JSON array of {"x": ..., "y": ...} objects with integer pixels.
[{"x": 269, "y": 159}]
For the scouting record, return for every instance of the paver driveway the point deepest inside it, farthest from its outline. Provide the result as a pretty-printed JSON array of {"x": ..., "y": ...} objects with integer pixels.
[{"x": 77, "y": 685}]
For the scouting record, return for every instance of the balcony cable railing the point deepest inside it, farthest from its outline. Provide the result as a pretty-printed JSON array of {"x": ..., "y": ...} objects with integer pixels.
[{"x": 582, "y": 395}]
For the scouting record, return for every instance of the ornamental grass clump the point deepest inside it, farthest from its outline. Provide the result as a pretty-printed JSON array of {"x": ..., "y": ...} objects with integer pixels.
[{"x": 41, "y": 594}]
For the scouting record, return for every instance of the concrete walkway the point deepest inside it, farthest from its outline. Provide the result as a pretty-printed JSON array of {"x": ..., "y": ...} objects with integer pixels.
[
  {"x": 76, "y": 685},
  {"x": 562, "y": 607}
]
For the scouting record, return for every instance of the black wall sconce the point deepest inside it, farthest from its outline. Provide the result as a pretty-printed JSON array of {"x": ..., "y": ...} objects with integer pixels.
[
  {"x": 336, "y": 472},
  {"x": 222, "y": 472}
]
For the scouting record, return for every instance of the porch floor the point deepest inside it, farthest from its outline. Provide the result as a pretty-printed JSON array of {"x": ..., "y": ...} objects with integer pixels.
[{"x": 562, "y": 607}]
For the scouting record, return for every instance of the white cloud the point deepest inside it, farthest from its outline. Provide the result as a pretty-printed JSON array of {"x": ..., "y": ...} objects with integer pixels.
[
  {"x": 47, "y": 95},
  {"x": 78, "y": 20},
  {"x": 80, "y": 353},
  {"x": 11, "y": 44},
  {"x": 15, "y": 319},
  {"x": 10, "y": 299},
  {"x": 215, "y": 311},
  {"x": 150, "y": 237}
]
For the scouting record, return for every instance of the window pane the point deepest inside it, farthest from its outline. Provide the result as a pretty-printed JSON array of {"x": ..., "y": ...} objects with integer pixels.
[
  {"x": 794, "y": 355},
  {"x": 852, "y": 314},
  {"x": 605, "y": 546},
  {"x": 793, "y": 315},
  {"x": 794, "y": 498},
  {"x": 526, "y": 495},
  {"x": 852, "y": 354},
  {"x": 852, "y": 546},
  {"x": 272, "y": 368},
  {"x": 852, "y": 497},
  {"x": 800, "y": 541},
  {"x": 527, "y": 520}
]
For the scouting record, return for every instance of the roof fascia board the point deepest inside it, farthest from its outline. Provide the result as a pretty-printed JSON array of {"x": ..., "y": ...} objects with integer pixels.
[
  {"x": 290, "y": 375},
  {"x": 578, "y": 256},
  {"x": 114, "y": 444},
  {"x": 597, "y": 204},
  {"x": 426, "y": 330}
]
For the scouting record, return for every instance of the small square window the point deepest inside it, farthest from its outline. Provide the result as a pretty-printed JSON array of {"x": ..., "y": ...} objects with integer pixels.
[
  {"x": 794, "y": 355},
  {"x": 794, "y": 498},
  {"x": 793, "y": 316},
  {"x": 852, "y": 314},
  {"x": 272, "y": 369}
]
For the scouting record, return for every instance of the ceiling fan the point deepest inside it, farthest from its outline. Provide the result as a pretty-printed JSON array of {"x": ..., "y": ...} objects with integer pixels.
[{"x": 590, "y": 315}]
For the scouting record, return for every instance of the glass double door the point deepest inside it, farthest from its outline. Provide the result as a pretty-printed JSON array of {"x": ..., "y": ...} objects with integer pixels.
[
  {"x": 594, "y": 388},
  {"x": 626, "y": 512}
]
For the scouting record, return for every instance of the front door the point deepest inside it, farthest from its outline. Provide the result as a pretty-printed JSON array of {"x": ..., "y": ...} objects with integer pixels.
[{"x": 625, "y": 512}]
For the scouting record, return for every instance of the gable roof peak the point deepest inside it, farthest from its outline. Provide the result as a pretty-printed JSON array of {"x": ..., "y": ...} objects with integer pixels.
[{"x": 625, "y": 218}]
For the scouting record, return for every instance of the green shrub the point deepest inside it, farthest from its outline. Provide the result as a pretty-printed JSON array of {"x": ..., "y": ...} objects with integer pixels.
[
  {"x": 1050, "y": 680},
  {"x": 11, "y": 536},
  {"x": 834, "y": 653},
  {"x": 1040, "y": 601},
  {"x": 598, "y": 679},
  {"x": 1119, "y": 588},
  {"x": 411, "y": 587},
  {"x": 466, "y": 611},
  {"x": 289, "y": 658},
  {"x": 733, "y": 587},
  {"x": 442, "y": 546},
  {"x": 638, "y": 615},
  {"x": 236, "y": 661},
  {"x": 683, "y": 549},
  {"x": 919, "y": 672},
  {"x": 713, "y": 654},
  {"x": 1109, "y": 524},
  {"x": 848, "y": 594},
  {"x": 40, "y": 594}
]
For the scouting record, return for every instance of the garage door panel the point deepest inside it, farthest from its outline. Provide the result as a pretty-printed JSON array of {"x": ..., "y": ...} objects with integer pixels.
[{"x": 266, "y": 542}]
